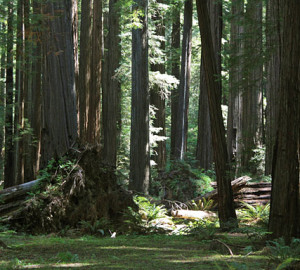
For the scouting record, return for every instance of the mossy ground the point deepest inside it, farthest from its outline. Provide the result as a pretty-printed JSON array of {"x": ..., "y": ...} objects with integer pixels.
[{"x": 127, "y": 252}]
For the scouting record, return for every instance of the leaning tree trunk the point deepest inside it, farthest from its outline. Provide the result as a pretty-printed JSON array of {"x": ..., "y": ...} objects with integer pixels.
[
  {"x": 226, "y": 210},
  {"x": 139, "y": 139},
  {"x": 59, "y": 130},
  {"x": 184, "y": 86},
  {"x": 204, "y": 153},
  {"x": 285, "y": 211}
]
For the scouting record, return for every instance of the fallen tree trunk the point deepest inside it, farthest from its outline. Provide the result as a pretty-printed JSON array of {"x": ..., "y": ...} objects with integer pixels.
[
  {"x": 17, "y": 192},
  {"x": 192, "y": 214}
]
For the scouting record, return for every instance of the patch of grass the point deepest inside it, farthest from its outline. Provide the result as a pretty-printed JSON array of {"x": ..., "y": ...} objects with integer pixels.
[{"x": 126, "y": 252}]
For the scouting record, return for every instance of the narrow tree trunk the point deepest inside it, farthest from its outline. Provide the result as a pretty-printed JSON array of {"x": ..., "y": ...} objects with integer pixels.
[
  {"x": 27, "y": 138},
  {"x": 139, "y": 140},
  {"x": 184, "y": 86},
  {"x": 36, "y": 87},
  {"x": 285, "y": 211},
  {"x": 85, "y": 67},
  {"x": 59, "y": 105},
  {"x": 204, "y": 145},
  {"x": 235, "y": 79},
  {"x": 2, "y": 98},
  {"x": 111, "y": 105},
  {"x": 157, "y": 99},
  {"x": 9, "y": 161},
  {"x": 176, "y": 73},
  {"x": 226, "y": 213}
]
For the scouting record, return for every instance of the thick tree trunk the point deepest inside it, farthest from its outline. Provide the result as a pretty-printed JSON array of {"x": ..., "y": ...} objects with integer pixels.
[
  {"x": 204, "y": 145},
  {"x": 251, "y": 123},
  {"x": 9, "y": 161},
  {"x": 2, "y": 99},
  {"x": 139, "y": 140},
  {"x": 176, "y": 73},
  {"x": 111, "y": 105},
  {"x": 273, "y": 36},
  {"x": 227, "y": 214},
  {"x": 85, "y": 67},
  {"x": 285, "y": 211},
  {"x": 184, "y": 86},
  {"x": 59, "y": 105},
  {"x": 94, "y": 103},
  {"x": 157, "y": 99}
]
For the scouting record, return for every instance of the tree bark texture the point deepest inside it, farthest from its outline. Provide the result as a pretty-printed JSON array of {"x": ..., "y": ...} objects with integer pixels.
[
  {"x": 184, "y": 85},
  {"x": 139, "y": 139},
  {"x": 2, "y": 98},
  {"x": 157, "y": 99},
  {"x": 19, "y": 95},
  {"x": 285, "y": 212},
  {"x": 235, "y": 79},
  {"x": 85, "y": 67},
  {"x": 111, "y": 105},
  {"x": 59, "y": 130},
  {"x": 176, "y": 73},
  {"x": 204, "y": 153},
  {"x": 273, "y": 35},
  {"x": 36, "y": 87},
  {"x": 251, "y": 122},
  {"x": 226, "y": 213},
  {"x": 8, "y": 163},
  {"x": 94, "y": 103}
]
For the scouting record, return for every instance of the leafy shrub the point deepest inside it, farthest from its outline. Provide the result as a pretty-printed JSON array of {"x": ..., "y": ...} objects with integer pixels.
[
  {"x": 97, "y": 227},
  {"x": 258, "y": 214},
  {"x": 67, "y": 257},
  {"x": 144, "y": 219}
]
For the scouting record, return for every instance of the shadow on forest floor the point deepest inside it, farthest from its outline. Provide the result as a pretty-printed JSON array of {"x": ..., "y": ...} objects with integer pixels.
[{"x": 128, "y": 252}]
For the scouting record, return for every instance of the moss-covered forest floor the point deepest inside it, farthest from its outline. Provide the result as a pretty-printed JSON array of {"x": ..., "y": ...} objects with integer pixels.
[{"x": 133, "y": 252}]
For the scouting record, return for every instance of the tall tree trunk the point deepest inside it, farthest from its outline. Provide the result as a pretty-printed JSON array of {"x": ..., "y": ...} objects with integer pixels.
[
  {"x": 139, "y": 140},
  {"x": 251, "y": 128},
  {"x": 184, "y": 86},
  {"x": 176, "y": 73},
  {"x": 226, "y": 210},
  {"x": 285, "y": 210},
  {"x": 9, "y": 161},
  {"x": 157, "y": 99},
  {"x": 111, "y": 105},
  {"x": 2, "y": 98},
  {"x": 273, "y": 36},
  {"x": 235, "y": 79},
  {"x": 85, "y": 67},
  {"x": 59, "y": 105},
  {"x": 94, "y": 103},
  {"x": 204, "y": 145},
  {"x": 36, "y": 86},
  {"x": 19, "y": 95},
  {"x": 27, "y": 138}
]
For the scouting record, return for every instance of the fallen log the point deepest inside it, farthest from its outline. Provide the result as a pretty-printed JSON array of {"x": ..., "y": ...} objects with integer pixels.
[
  {"x": 17, "y": 192},
  {"x": 192, "y": 214}
]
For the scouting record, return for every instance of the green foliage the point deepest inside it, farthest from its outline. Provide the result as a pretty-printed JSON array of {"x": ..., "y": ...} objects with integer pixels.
[
  {"x": 144, "y": 220},
  {"x": 258, "y": 214},
  {"x": 202, "y": 204},
  {"x": 67, "y": 257},
  {"x": 205, "y": 229},
  {"x": 97, "y": 227},
  {"x": 282, "y": 253}
]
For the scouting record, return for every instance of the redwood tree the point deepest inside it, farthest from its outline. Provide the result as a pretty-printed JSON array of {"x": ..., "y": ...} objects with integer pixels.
[
  {"x": 59, "y": 127},
  {"x": 139, "y": 139},
  {"x": 285, "y": 209},
  {"x": 227, "y": 215}
]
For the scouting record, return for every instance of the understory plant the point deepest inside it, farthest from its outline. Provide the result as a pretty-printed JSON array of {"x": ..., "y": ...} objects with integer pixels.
[
  {"x": 144, "y": 220},
  {"x": 257, "y": 214}
]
